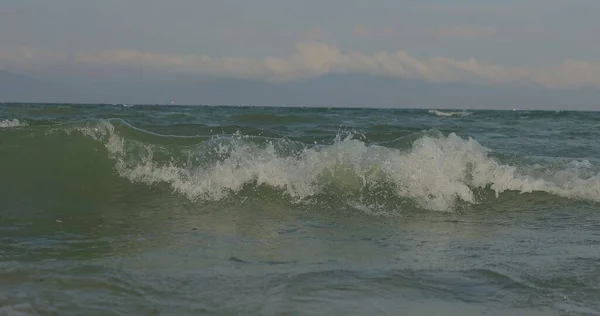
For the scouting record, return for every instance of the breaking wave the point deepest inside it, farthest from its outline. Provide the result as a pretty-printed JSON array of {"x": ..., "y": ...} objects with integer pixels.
[
  {"x": 449, "y": 113},
  {"x": 434, "y": 172}
]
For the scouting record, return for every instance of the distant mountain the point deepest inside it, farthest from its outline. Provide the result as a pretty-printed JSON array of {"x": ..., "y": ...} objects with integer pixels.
[{"x": 141, "y": 87}]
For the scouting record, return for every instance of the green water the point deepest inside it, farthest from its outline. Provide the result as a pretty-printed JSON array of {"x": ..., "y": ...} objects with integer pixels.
[{"x": 163, "y": 210}]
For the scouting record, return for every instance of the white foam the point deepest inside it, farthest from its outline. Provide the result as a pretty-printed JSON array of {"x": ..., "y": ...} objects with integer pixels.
[
  {"x": 436, "y": 173},
  {"x": 11, "y": 123},
  {"x": 450, "y": 113}
]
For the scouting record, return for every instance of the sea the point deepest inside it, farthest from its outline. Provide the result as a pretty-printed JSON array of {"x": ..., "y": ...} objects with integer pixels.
[{"x": 250, "y": 210}]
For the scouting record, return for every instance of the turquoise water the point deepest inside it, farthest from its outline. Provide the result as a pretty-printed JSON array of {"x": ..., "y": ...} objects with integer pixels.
[{"x": 168, "y": 210}]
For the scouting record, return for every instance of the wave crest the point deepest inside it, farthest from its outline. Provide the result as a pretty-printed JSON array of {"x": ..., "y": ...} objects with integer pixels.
[
  {"x": 449, "y": 113},
  {"x": 436, "y": 172}
]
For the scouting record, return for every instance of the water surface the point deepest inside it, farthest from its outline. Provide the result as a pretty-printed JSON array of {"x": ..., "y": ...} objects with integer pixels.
[{"x": 168, "y": 210}]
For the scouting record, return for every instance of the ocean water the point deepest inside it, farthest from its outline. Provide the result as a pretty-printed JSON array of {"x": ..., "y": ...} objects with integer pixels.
[{"x": 169, "y": 210}]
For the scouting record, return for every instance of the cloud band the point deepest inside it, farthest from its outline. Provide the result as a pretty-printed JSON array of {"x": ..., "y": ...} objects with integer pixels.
[{"x": 317, "y": 58}]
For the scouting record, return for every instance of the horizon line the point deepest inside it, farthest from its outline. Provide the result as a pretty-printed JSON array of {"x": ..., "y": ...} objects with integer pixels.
[{"x": 337, "y": 107}]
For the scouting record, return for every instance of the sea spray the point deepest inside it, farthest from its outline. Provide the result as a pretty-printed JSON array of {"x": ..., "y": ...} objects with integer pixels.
[
  {"x": 436, "y": 172},
  {"x": 11, "y": 123}
]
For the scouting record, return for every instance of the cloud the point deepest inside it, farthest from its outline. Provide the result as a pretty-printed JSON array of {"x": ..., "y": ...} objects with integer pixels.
[{"x": 314, "y": 58}]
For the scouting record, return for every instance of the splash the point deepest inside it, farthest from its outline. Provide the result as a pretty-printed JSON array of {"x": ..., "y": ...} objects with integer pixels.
[
  {"x": 437, "y": 172},
  {"x": 12, "y": 123}
]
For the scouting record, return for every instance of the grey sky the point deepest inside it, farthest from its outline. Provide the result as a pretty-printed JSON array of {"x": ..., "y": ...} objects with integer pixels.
[{"x": 552, "y": 42}]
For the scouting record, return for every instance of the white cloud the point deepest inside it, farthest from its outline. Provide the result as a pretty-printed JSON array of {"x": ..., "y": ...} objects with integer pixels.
[{"x": 318, "y": 58}]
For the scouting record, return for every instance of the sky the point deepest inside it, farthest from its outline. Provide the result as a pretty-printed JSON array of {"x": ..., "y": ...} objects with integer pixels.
[{"x": 552, "y": 43}]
